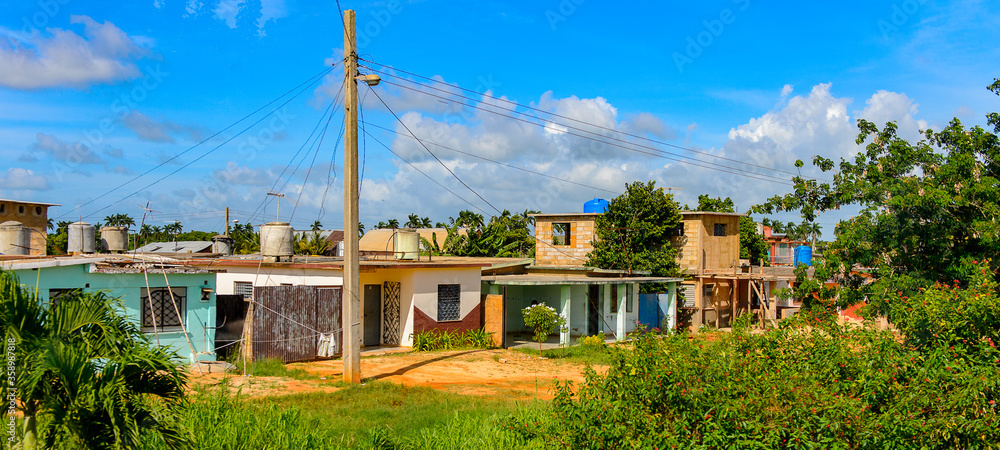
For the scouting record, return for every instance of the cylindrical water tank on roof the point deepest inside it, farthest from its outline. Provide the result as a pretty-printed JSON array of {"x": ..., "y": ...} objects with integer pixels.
[
  {"x": 803, "y": 255},
  {"x": 276, "y": 239},
  {"x": 14, "y": 239},
  {"x": 81, "y": 238},
  {"x": 114, "y": 239},
  {"x": 407, "y": 244},
  {"x": 597, "y": 205},
  {"x": 222, "y": 245}
]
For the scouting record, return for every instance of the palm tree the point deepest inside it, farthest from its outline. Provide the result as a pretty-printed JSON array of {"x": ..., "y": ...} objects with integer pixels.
[
  {"x": 91, "y": 372},
  {"x": 317, "y": 225}
]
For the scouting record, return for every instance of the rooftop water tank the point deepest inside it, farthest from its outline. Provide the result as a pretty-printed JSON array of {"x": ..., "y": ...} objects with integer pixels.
[
  {"x": 82, "y": 237},
  {"x": 597, "y": 205},
  {"x": 114, "y": 239},
  {"x": 803, "y": 255},
  {"x": 407, "y": 244},
  {"x": 222, "y": 245},
  {"x": 14, "y": 239},
  {"x": 276, "y": 240}
]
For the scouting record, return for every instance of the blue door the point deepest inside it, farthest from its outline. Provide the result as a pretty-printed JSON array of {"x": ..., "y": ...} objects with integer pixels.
[{"x": 649, "y": 311}]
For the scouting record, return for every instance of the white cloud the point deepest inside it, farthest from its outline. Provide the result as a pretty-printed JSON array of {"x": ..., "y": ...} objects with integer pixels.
[
  {"x": 227, "y": 10},
  {"x": 192, "y": 8},
  {"x": 149, "y": 129},
  {"x": 76, "y": 153},
  {"x": 104, "y": 54},
  {"x": 646, "y": 123},
  {"x": 23, "y": 179}
]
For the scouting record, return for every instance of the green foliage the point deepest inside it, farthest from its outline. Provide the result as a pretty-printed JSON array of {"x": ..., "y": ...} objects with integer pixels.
[
  {"x": 88, "y": 371},
  {"x": 415, "y": 221},
  {"x": 947, "y": 315},
  {"x": 795, "y": 387},
  {"x": 542, "y": 319},
  {"x": 634, "y": 233},
  {"x": 449, "y": 340},
  {"x": 119, "y": 220},
  {"x": 311, "y": 243},
  {"x": 592, "y": 342},
  {"x": 505, "y": 236},
  {"x": 245, "y": 239}
]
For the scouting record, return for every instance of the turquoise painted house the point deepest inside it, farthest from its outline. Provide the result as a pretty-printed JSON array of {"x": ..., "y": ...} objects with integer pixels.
[{"x": 174, "y": 304}]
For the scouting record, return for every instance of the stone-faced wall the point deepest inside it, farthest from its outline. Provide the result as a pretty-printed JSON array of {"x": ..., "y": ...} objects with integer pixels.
[
  {"x": 574, "y": 253},
  {"x": 32, "y": 215}
]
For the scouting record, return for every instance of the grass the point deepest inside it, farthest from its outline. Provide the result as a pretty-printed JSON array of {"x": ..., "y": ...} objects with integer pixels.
[
  {"x": 577, "y": 354},
  {"x": 357, "y": 416},
  {"x": 273, "y": 367}
]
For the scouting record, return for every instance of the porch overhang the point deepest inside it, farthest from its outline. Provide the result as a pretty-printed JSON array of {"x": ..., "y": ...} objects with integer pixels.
[{"x": 555, "y": 280}]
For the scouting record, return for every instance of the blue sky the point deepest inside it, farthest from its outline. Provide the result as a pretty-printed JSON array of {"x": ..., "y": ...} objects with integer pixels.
[{"x": 93, "y": 95}]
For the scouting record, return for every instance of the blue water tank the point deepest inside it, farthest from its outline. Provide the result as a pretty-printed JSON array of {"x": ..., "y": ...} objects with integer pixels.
[
  {"x": 597, "y": 205},
  {"x": 803, "y": 255}
]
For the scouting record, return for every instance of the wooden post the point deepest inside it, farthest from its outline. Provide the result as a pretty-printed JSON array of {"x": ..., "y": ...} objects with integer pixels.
[
  {"x": 227, "y": 222},
  {"x": 351, "y": 322}
]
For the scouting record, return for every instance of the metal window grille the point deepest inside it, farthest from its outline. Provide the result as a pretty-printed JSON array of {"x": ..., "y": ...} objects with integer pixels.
[
  {"x": 244, "y": 288},
  {"x": 688, "y": 292},
  {"x": 157, "y": 304},
  {"x": 449, "y": 302},
  {"x": 720, "y": 229}
]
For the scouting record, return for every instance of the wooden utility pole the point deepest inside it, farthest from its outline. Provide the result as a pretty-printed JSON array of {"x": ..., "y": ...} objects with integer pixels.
[
  {"x": 227, "y": 222},
  {"x": 351, "y": 300}
]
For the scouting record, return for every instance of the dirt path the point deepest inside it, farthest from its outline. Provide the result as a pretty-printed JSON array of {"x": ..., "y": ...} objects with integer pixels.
[{"x": 501, "y": 373}]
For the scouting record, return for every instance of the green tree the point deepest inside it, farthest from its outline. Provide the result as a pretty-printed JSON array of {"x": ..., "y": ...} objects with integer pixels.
[
  {"x": 415, "y": 221},
  {"x": 119, "y": 220},
  {"x": 634, "y": 233},
  {"x": 507, "y": 235},
  {"x": 316, "y": 226},
  {"x": 542, "y": 319},
  {"x": 245, "y": 239},
  {"x": 91, "y": 372},
  {"x": 311, "y": 243}
]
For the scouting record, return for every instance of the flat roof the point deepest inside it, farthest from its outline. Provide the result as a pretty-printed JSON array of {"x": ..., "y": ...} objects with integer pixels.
[
  {"x": 549, "y": 280},
  {"x": 582, "y": 214},
  {"x": 28, "y": 203},
  {"x": 337, "y": 263},
  {"x": 712, "y": 213}
]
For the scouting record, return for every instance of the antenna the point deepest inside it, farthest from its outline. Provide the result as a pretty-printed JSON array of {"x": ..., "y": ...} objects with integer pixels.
[{"x": 280, "y": 195}]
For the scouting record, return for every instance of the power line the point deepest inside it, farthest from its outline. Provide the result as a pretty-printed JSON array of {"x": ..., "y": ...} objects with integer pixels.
[
  {"x": 515, "y": 104},
  {"x": 426, "y": 175},
  {"x": 432, "y": 153},
  {"x": 500, "y": 162},
  {"x": 216, "y": 147},
  {"x": 312, "y": 78},
  {"x": 309, "y": 172},
  {"x": 659, "y": 153}
]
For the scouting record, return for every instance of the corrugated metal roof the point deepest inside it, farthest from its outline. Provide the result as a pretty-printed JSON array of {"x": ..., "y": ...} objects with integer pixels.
[{"x": 175, "y": 247}]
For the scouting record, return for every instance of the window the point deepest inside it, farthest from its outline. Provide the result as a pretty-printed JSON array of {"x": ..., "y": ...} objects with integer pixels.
[
  {"x": 706, "y": 292},
  {"x": 157, "y": 304},
  {"x": 38, "y": 210},
  {"x": 614, "y": 299},
  {"x": 687, "y": 291},
  {"x": 449, "y": 302},
  {"x": 560, "y": 234},
  {"x": 677, "y": 231},
  {"x": 3, "y": 208},
  {"x": 56, "y": 294},
  {"x": 20, "y": 209},
  {"x": 628, "y": 299},
  {"x": 244, "y": 288},
  {"x": 720, "y": 229}
]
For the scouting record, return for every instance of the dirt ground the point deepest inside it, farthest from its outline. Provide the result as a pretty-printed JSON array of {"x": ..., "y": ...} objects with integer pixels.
[{"x": 495, "y": 373}]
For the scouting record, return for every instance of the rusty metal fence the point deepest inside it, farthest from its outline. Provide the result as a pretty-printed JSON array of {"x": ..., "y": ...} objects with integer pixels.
[{"x": 288, "y": 322}]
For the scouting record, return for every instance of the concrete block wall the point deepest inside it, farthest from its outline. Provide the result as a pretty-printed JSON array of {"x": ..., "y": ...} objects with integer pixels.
[{"x": 575, "y": 254}]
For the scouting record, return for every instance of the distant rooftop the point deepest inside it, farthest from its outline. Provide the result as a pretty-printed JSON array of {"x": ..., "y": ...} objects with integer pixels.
[{"x": 176, "y": 247}]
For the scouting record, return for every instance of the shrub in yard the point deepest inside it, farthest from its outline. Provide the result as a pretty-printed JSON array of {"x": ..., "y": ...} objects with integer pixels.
[
  {"x": 447, "y": 340},
  {"x": 831, "y": 387},
  {"x": 542, "y": 319},
  {"x": 595, "y": 341}
]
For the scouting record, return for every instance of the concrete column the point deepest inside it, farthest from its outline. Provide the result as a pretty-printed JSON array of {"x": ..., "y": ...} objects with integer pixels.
[
  {"x": 566, "y": 302},
  {"x": 606, "y": 308},
  {"x": 622, "y": 307}
]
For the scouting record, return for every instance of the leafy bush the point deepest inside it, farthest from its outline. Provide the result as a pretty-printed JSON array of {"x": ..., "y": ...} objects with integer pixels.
[
  {"x": 542, "y": 318},
  {"x": 447, "y": 340},
  {"x": 596, "y": 341},
  {"x": 829, "y": 386}
]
